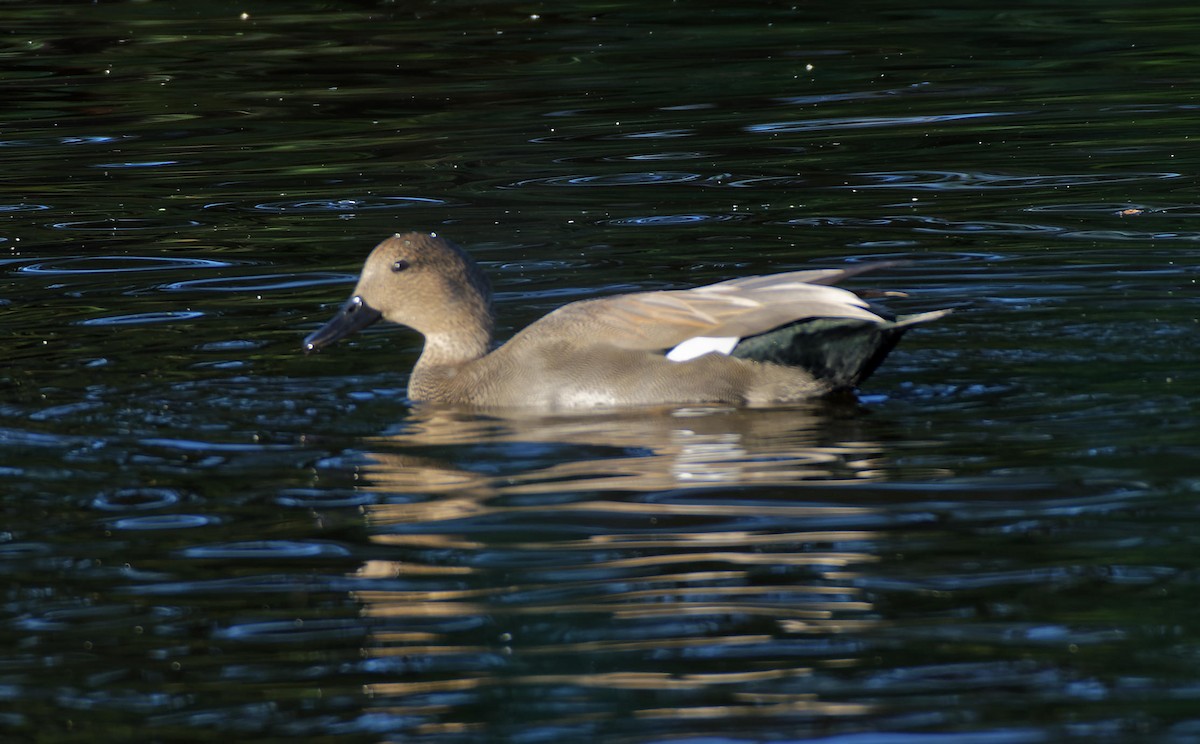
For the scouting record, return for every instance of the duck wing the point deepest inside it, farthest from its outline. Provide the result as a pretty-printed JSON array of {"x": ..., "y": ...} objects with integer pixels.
[{"x": 735, "y": 309}]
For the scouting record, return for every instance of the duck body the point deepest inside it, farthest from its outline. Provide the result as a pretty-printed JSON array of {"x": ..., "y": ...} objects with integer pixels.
[{"x": 754, "y": 341}]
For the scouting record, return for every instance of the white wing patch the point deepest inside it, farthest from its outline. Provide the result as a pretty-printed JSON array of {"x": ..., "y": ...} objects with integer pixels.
[{"x": 701, "y": 345}]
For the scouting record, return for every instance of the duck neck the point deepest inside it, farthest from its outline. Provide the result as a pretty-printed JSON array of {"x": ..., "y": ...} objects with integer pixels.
[
  {"x": 454, "y": 349},
  {"x": 444, "y": 355}
]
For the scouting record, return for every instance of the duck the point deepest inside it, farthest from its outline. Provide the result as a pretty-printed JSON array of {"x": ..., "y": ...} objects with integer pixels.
[{"x": 752, "y": 341}]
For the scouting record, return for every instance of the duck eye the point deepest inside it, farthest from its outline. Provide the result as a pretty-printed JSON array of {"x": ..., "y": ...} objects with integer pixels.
[{"x": 399, "y": 266}]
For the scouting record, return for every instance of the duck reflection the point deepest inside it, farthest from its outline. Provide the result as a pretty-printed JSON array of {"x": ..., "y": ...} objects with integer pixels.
[
  {"x": 644, "y": 450},
  {"x": 703, "y": 557}
]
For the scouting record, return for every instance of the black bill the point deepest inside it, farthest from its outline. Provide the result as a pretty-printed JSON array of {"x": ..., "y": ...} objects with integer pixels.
[{"x": 353, "y": 316}]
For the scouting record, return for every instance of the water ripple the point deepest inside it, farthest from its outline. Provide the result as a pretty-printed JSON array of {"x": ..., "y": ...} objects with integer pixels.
[
  {"x": 165, "y": 522},
  {"x": 165, "y": 316},
  {"x": 656, "y": 178},
  {"x": 321, "y": 206},
  {"x": 728, "y": 180},
  {"x": 657, "y": 134},
  {"x": 1118, "y": 209},
  {"x": 837, "y": 97},
  {"x": 124, "y": 224},
  {"x": 1132, "y": 235},
  {"x": 929, "y": 224},
  {"x": 942, "y": 226},
  {"x": 266, "y": 549},
  {"x": 262, "y": 584},
  {"x": 855, "y": 222},
  {"x": 119, "y": 264},
  {"x": 681, "y": 155},
  {"x": 21, "y": 551},
  {"x": 194, "y": 446},
  {"x": 232, "y": 345},
  {"x": 68, "y": 140},
  {"x": 674, "y": 219},
  {"x": 136, "y": 499},
  {"x": 615, "y": 179},
  {"x": 23, "y": 207},
  {"x": 258, "y": 282},
  {"x": 312, "y": 498},
  {"x": 952, "y": 180},
  {"x": 294, "y": 631},
  {"x": 943, "y": 257},
  {"x": 26, "y": 438},
  {"x": 866, "y": 122},
  {"x": 139, "y": 164}
]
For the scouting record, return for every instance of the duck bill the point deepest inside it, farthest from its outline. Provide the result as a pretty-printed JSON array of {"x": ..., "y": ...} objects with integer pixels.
[{"x": 355, "y": 315}]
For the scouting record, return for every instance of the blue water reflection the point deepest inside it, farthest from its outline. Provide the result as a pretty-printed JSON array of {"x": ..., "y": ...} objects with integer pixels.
[
  {"x": 82, "y": 265},
  {"x": 786, "y": 127}
]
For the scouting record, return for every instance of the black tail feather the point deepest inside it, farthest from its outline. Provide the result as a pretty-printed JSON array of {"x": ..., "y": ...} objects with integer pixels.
[{"x": 841, "y": 351}]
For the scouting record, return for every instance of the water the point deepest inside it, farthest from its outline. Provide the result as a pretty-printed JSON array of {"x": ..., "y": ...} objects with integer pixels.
[{"x": 209, "y": 536}]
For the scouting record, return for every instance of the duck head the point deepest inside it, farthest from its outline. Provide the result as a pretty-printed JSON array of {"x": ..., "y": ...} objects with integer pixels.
[{"x": 419, "y": 280}]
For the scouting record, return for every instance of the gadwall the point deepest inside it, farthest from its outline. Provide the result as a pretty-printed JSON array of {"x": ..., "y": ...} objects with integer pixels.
[{"x": 755, "y": 341}]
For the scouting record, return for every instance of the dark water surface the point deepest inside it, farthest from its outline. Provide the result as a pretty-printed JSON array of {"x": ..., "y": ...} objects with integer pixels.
[{"x": 208, "y": 536}]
